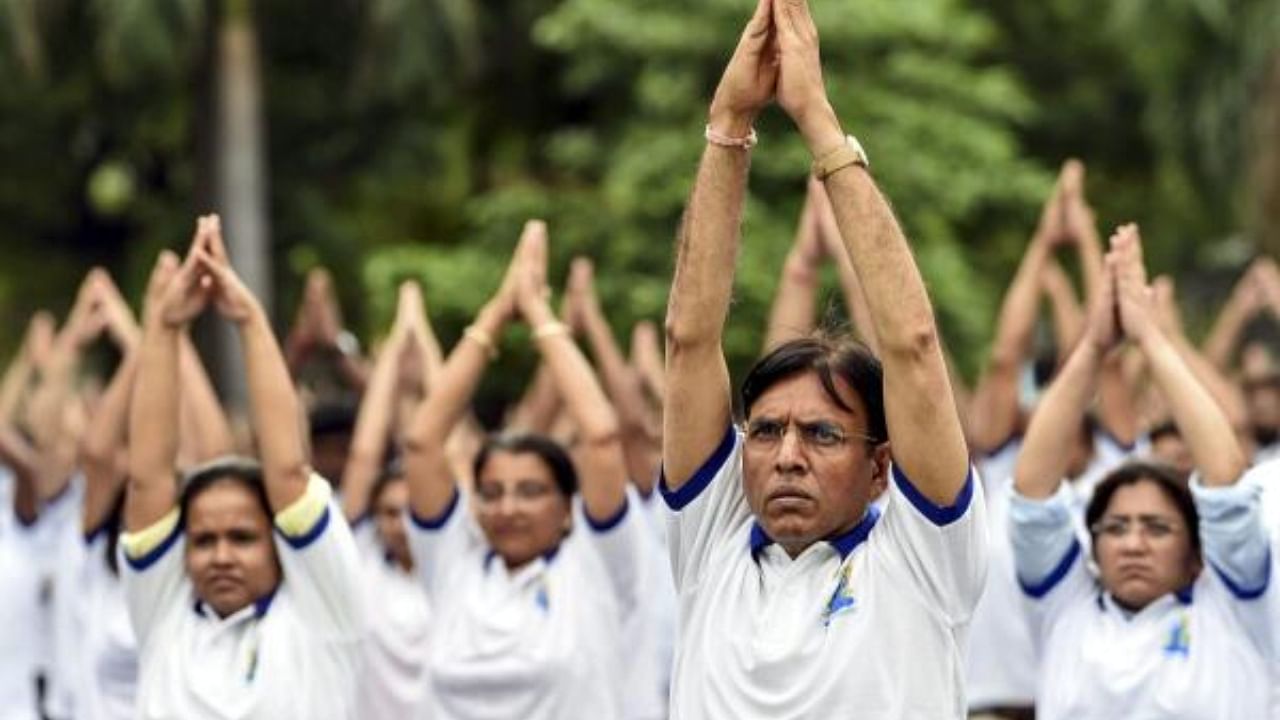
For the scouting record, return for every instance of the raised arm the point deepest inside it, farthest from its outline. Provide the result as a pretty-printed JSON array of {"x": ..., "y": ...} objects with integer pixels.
[
  {"x": 206, "y": 430},
  {"x": 1220, "y": 345},
  {"x": 273, "y": 401},
  {"x": 599, "y": 453},
  {"x": 794, "y": 301},
  {"x": 855, "y": 300},
  {"x": 994, "y": 407},
  {"x": 373, "y": 423},
  {"x": 151, "y": 492},
  {"x": 1202, "y": 424},
  {"x": 697, "y": 377},
  {"x": 624, "y": 387},
  {"x": 20, "y": 457},
  {"x": 104, "y": 439},
  {"x": 647, "y": 359},
  {"x": 32, "y": 353},
  {"x": 432, "y": 486},
  {"x": 927, "y": 440},
  {"x": 1068, "y": 316},
  {"x": 1226, "y": 393},
  {"x": 1044, "y": 459}
]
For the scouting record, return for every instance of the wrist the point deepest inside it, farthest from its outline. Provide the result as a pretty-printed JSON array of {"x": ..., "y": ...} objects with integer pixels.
[
  {"x": 821, "y": 130},
  {"x": 730, "y": 124}
]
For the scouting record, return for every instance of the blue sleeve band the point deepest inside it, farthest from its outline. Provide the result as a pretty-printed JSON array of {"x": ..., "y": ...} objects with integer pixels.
[
  {"x": 687, "y": 493},
  {"x": 940, "y": 515},
  {"x": 1040, "y": 589},
  {"x": 142, "y": 563},
  {"x": 1243, "y": 593},
  {"x": 300, "y": 542},
  {"x": 609, "y": 523},
  {"x": 438, "y": 521}
]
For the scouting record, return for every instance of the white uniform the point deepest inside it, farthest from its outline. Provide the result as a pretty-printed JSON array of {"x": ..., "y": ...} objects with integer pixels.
[
  {"x": 19, "y": 606},
  {"x": 1198, "y": 653},
  {"x": 541, "y": 642},
  {"x": 873, "y": 622},
  {"x": 394, "y": 681},
  {"x": 650, "y": 633},
  {"x": 294, "y": 654},
  {"x": 1002, "y": 660}
]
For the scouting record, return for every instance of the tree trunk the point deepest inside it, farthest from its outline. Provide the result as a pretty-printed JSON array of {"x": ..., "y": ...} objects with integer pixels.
[{"x": 240, "y": 185}]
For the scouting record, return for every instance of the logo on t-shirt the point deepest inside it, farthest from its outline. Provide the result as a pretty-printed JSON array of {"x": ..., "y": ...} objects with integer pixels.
[
  {"x": 842, "y": 599},
  {"x": 1179, "y": 644}
]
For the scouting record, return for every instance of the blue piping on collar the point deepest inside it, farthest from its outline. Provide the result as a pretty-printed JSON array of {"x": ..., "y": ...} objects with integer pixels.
[{"x": 843, "y": 544}]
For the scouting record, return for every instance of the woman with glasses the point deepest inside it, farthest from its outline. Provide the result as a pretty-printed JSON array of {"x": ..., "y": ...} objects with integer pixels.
[
  {"x": 529, "y": 606},
  {"x": 1174, "y": 623}
]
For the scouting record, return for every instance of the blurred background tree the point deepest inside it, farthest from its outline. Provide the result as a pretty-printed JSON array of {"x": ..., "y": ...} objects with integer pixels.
[{"x": 410, "y": 138}]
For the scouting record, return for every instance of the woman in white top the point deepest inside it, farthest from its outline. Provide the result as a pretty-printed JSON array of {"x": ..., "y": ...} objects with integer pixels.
[
  {"x": 1155, "y": 634},
  {"x": 243, "y": 584},
  {"x": 529, "y": 606},
  {"x": 394, "y": 680}
]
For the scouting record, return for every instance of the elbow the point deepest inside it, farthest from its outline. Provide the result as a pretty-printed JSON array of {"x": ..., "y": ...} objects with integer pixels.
[
  {"x": 684, "y": 334},
  {"x": 914, "y": 344},
  {"x": 602, "y": 432}
]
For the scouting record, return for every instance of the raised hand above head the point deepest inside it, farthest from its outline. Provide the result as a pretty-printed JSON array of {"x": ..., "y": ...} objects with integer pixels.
[
  {"x": 188, "y": 291},
  {"x": 1165, "y": 298},
  {"x": 230, "y": 296},
  {"x": 1134, "y": 298},
  {"x": 1078, "y": 222},
  {"x": 801, "y": 91},
  {"x": 749, "y": 80},
  {"x": 529, "y": 265}
]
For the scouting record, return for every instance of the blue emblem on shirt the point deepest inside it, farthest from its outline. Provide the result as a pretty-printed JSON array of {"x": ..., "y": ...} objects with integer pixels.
[
  {"x": 1179, "y": 644},
  {"x": 842, "y": 599}
]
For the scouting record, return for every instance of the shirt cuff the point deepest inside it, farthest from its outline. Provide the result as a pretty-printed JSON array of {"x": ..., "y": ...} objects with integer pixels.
[
  {"x": 304, "y": 516},
  {"x": 145, "y": 546}
]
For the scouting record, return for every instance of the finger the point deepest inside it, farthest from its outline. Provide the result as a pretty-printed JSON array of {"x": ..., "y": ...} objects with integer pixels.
[
  {"x": 757, "y": 32},
  {"x": 215, "y": 245}
]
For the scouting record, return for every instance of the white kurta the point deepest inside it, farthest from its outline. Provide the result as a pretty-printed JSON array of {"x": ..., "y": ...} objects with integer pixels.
[{"x": 394, "y": 682}]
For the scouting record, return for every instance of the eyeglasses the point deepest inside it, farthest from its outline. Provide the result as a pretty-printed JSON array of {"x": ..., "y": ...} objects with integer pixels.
[
  {"x": 819, "y": 435},
  {"x": 1151, "y": 527},
  {"x": 492, "y": 492}
]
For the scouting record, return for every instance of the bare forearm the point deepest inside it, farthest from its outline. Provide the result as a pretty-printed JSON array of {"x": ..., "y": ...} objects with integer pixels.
[
  {"x": 153, "y": 429},
  {"x": 1117, "y": 410},
  {"x": 539, "y": 405},
  {"x": 200, "y": 405},
  {"x": 855, "y": 302},
  {"x": 15, "y": 381},
  {"x": 1225, "y": 334},
  {"x": 1043, "y": 461},
  {"x": 103, "y": 441},
  {"x": 372, "y": 431},
  {"x": 274, "y": 409},
  {"x": 919, "y": 407},
  {"x": 793, "y": 311},
  {"x": 1200, "y": 421}
]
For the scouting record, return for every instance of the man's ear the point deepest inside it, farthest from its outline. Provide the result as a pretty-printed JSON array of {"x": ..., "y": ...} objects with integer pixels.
[{"x": 881, "y": 456}]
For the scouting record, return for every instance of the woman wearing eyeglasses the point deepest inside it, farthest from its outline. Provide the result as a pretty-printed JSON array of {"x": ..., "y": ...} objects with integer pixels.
[
  {"x": 529, "y": 607},
  {"x": 1174, "y": 624}
]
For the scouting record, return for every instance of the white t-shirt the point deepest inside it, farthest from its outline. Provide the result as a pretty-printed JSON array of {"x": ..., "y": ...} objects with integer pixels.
[
  {"x": 394, "y": 682},
  {"x": 872, "y": 622},
  {"x": 294, "y": 654},
  {"x": 650, "y": 633},
  {"x": 541, "y": 642},
  {"x": 1195, "y": 654},
  {"x": 105, "y": 680},
  {"x": 1002, "y": 659},
  {"x": 19, "y": 607}
]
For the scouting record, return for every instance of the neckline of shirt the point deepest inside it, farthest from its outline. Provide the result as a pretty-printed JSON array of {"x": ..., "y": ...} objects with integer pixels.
[{"x": 843, "y": 543}]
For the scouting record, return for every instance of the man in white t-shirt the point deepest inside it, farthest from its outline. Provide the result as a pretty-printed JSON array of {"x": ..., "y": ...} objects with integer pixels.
[{"x": 797, "y": 599}]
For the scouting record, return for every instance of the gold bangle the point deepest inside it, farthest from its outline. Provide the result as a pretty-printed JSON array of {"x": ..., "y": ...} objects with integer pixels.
[
  {"x": 550, "y": 329},
  {"x": 483, "y": 339}
]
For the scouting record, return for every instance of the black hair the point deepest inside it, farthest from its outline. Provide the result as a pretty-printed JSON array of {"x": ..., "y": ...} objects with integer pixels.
[
  {"x": 830, "y": 357},
  {"x": 332, "y": 419},
  {"x": 1168, "y": 428},
  {"x": 391, "y": 472},
  {"x": 241, "y": 471},
  {"x": 1168, "y": 480},
  {"x": 547, "y": 450}
]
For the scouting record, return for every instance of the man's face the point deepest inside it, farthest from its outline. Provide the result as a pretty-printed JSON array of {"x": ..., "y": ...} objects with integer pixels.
[
  {"x": 230, "y": 556},
  {"x": 808, "y": 471},
  {"x": 388, "y": 515},
  {"x": 1142, "y": 546},
  {"x": 518, "y": 506}
]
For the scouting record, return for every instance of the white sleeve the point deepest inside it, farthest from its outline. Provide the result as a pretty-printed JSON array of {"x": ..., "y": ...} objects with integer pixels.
[
  {"x": 705, "y": 511},
  {"x": 320, "y": 562},
  {"x": 1047, "y": 554},
  {"x": 1238, "y": 550},
  {"x": 620, "y": 542},
  {"x": 439, "y": 544},
  {"x": 152, "y": 573},
  {"x": 944, "y": 548}
]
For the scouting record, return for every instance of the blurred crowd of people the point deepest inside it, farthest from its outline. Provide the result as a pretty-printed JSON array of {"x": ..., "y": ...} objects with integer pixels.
[{"x": 852, "y": 530}]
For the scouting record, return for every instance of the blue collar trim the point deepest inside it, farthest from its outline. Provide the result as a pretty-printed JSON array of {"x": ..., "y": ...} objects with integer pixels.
[
  {"x": 547, "y": 556},
  {"x": 843, "y": 544},
  {"x": 260, "y": 606}
]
